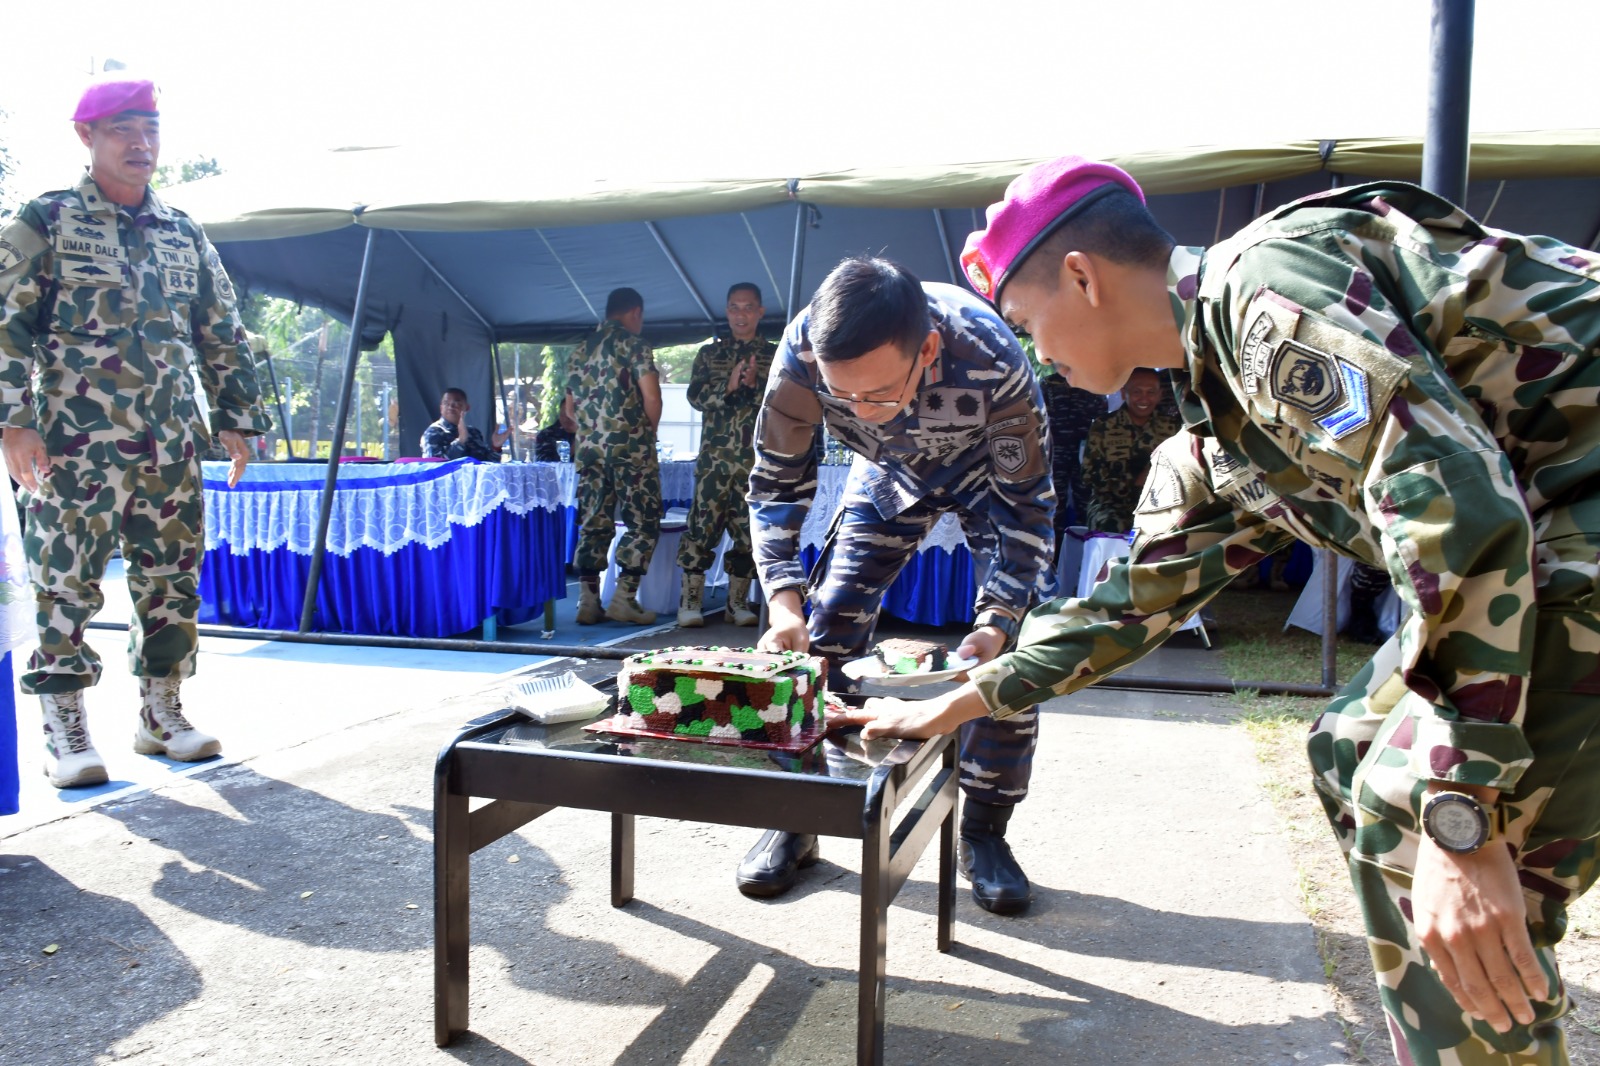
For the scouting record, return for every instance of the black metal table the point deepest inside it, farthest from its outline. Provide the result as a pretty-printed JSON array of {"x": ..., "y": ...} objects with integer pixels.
[{"x": 527, "y": 770}]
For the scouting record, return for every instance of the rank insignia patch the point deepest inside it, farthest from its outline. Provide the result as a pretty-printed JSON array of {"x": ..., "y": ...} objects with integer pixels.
[{"x": 1356, "y": 411}]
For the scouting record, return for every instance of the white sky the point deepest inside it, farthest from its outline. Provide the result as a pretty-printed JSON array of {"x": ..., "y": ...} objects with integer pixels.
[{"x": 707, "y": 88}]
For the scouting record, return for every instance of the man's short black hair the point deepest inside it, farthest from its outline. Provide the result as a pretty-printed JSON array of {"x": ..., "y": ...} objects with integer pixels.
[
  {"x": 1116, "y": 227},
  {"x": 460, "y": 394},
  {"x": 623, "y": 300},
  {"x": 864, "y": 303},
  {"x": 745, "y": 286}
]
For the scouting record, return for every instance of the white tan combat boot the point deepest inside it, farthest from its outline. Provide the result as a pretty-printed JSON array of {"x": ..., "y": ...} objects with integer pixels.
[
  {"x": 625, "y": 606},
  {"x": 163, "y": 730},
  {"x": 589, "y": 609},
  {"x": 70, "y": 760},
  {"x": 739, "y": 611},
  {"x": 694, "y": 588}
]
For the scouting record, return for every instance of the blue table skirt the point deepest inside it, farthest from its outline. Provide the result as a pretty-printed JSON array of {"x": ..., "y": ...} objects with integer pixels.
[
  {"x": 935, "y": 588},
  {"x": 9, "y": 783},
  {"x": 508, "y": 563}
]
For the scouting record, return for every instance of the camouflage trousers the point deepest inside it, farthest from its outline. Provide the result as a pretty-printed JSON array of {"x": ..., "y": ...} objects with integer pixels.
[
  {"x": 1553, "y": 823},
  {"x": 83, "y": 511},
  {"x": 612, "y": 487},
  {"x": 868, "y": 553},
  {"x": 720, "y": 487}
]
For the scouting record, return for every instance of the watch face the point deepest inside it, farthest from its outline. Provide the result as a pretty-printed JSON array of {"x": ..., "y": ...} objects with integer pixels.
[{"x": 1456, "y": 823}]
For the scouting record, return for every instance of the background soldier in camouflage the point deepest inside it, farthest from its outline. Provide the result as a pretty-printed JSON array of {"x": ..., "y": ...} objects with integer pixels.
[
  {"x": 725, "y": 386},
  {"x": 614, "y": 396},
  {"x": 1070, "y": 412},
  {"x": 1416, "y": 391},
  {"x": 115, "y": 309},
  {"x": 1116, "y": 454},
  {"x": 928, "y": 386}
]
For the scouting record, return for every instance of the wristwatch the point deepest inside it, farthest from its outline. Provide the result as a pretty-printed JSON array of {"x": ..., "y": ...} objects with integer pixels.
[
  {"x": 1000, "y": 620},
  {"x": 1457, "y": 822}
]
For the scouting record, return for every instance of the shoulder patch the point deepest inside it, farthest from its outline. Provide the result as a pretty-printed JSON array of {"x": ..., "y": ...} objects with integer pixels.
[
  {"x": 19, "y": 242},
  {"x": 1299, "y": 368},
  {"x": 1175, "y": 484}
]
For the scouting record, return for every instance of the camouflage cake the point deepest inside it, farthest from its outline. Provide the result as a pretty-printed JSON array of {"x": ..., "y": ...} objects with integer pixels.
[{"x": 727, "y": 694}]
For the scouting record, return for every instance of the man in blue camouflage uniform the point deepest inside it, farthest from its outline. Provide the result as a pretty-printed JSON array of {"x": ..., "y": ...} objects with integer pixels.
[
  {"x": 725, "y": 386},
  {"x": 1413, "y": 390},
  {"x": 451, "y": 438},
  {"x": 938, "y": 401},
  {"x": 113, "y": 309},
  {"x": 1071, "y": 412}
]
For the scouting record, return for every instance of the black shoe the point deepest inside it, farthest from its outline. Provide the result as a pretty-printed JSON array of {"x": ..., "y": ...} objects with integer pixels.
[
  {"x": 771, "y": 866},
  {"x": 998, "y": 883}
]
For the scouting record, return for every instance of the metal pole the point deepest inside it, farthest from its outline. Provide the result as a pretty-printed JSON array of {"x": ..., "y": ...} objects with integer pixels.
[
  {"x": 944, "y": 246},
  {"x": 319, "y": 547},
  {"x": 798, "y": 262},
  {"x": 1445, "y": 148},
  {"x": 1330, "y": 620},
  {"x": 360, "y": 404},
  {"x": 385, "y": 416},
  {"x": 500, "y": 379},
  {"x": 683, "y": 275},
  {"x": 283, "y": 415},
  {"x": 288, "y": 421}
]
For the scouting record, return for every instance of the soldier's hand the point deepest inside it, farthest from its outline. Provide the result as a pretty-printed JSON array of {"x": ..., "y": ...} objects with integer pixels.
[
  {"x": 735, "y": 378},
  {"x": 26, "y": 459},
  {"x": 1472, "y": 920},
  {"x": 914, "y": 719},
  {"x": 983, "y": 644},
  {"x": 786, "y": 630},
  {"x": 232, "y": 442}
]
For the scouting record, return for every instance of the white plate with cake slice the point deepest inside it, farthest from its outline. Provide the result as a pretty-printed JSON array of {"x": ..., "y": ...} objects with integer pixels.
[{"x": 908, "y": 662}]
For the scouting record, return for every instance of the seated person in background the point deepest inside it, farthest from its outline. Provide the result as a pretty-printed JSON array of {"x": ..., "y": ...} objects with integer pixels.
[
  {"x": 546, "y": 441},
  {"x": 452, "y": 438},
  {"x": 1116, "y": 453}
]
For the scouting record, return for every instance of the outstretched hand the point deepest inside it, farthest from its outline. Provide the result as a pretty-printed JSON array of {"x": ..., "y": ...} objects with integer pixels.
[{"x": 914, "y": 719}]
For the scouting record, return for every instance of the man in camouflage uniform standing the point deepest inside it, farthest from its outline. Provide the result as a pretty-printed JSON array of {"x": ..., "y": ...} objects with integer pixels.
[
  {"x": 1415, "y": 391},
  {"x": 115, "y": 306},
  {"x": 725, "y": 386},
  {"x": 1116, "y": 455},
  {"x": 1071, "y": 412},
  {"x": 938, "y": 401},
  {"x": 614, "y": 396}
]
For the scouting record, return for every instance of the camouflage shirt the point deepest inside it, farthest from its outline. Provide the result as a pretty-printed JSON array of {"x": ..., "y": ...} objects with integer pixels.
[
  {"x": 729, "y": 417},
  {"x": 1417, "y": 391},
  {"x": 114, "y": 320},
  {"x": 1116, "y": 456},
  {"x": 441, "y": 440},
  {"x": 975, "y": 433},
  {"x": 603, "y": 378}
]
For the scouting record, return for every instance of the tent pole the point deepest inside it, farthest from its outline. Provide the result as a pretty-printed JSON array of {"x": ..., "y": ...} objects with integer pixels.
[
  {"x": 799, "y": 259},
  {"x": 776, "y": 294},
  {"x": 572, "y": 280},
  {"x": 283, "y": 415},
  {"x": 1445, "y": 149},
  {"x": 666, "y": 250},
  {"x": 319, "y": 547},
  {"x": 505, "y": 402},
  {"x": 944, "y": 246}
]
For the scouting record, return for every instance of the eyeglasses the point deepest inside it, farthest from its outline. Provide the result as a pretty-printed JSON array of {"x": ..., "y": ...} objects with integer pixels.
[{"x": 851, "y": 399}]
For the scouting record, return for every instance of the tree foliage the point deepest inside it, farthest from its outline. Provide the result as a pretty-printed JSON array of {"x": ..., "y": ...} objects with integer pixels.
[{"x": 169, "y": 174}]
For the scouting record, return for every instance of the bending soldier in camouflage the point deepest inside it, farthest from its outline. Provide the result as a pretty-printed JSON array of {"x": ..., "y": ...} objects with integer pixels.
[
  {"x": 1415, "y": 390},
  {"x": 935, "y": 396},
  {"x": 1116, "y": 455},
  {"x": 614, "y": 397},
  {"x": 725, "y": 386},
  {"x": 114, "y": 307}
]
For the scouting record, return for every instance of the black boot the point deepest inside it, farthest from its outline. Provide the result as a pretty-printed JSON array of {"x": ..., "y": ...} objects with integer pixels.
[
  {"x": 998, "y": 883},
  {"x": 770, "y": 868}
]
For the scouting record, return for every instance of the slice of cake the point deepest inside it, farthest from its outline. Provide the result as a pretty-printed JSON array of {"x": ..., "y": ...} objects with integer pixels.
[
  {"x": 901, "y": 656},
  {"x": 727, "y": 694}
]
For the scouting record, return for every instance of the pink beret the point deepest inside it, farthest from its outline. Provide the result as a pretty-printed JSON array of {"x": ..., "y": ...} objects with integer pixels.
[
  {"x": 114, "y": 95},
  {"x": 1036, "y": 203}
]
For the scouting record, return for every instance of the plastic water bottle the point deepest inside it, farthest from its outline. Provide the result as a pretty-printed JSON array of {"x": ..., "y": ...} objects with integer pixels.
[{"x": 564, "y": 451}]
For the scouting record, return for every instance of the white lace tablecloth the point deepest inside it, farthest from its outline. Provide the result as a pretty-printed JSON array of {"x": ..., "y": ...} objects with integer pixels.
[
  {"x": 945, "y": 535},
  {"x": 375, "y": 505}
]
